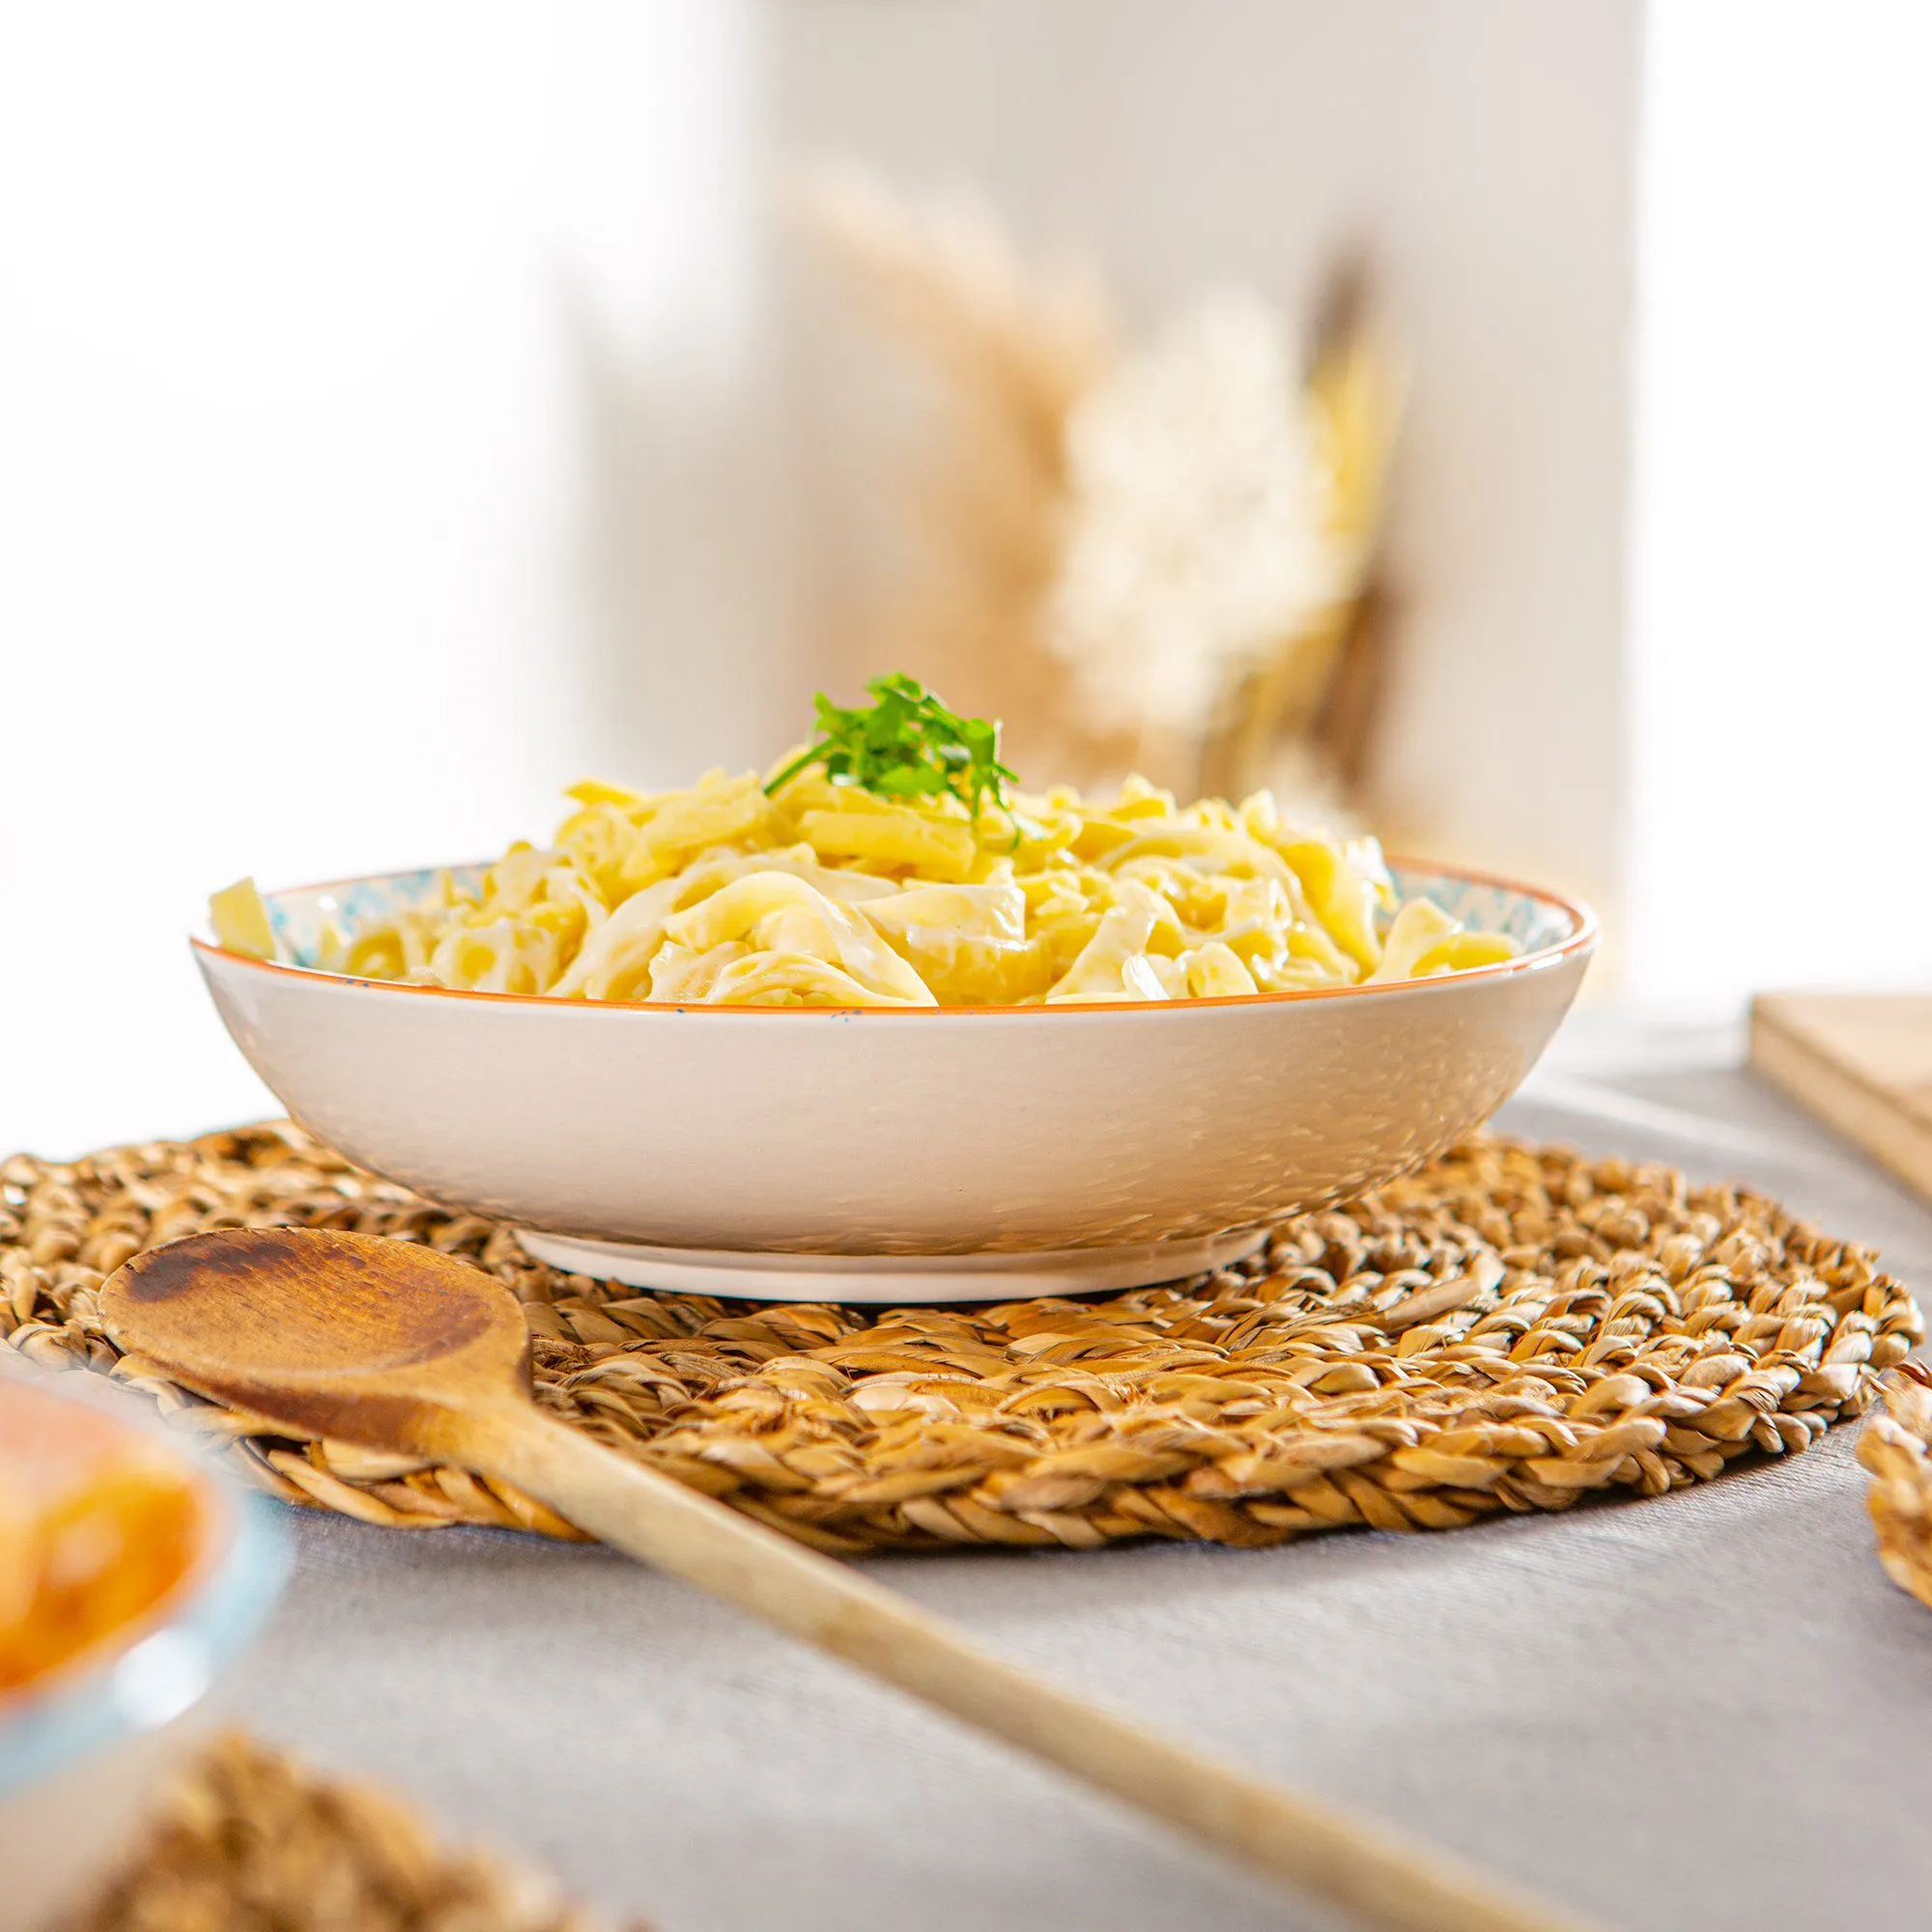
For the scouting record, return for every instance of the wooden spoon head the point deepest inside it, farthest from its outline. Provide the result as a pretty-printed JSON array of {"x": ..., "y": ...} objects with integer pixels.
[{"x": 372, "y": 1341}]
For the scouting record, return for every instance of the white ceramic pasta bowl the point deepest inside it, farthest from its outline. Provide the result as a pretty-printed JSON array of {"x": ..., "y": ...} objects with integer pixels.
[{"x": 895, "y": 1155}]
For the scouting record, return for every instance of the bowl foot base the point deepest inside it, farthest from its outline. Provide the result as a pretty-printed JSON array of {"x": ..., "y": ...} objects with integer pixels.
[{"x": 889, "y": 1278}]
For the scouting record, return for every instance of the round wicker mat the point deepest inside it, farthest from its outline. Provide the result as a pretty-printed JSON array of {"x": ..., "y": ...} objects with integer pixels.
[
  {"x": 1896, "y": 1448},
  {"x": 1512, "y": 1329}
]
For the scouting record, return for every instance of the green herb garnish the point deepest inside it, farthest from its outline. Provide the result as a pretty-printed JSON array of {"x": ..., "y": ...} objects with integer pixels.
[{"x": 906, "y": 744}]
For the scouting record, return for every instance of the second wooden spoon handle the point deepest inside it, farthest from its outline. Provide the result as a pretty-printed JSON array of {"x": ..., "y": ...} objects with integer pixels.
[{"x": 1370, "y": 1871}]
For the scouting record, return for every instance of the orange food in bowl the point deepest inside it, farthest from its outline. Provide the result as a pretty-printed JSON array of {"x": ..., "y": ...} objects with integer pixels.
[{"x": 97, "y": 1527}]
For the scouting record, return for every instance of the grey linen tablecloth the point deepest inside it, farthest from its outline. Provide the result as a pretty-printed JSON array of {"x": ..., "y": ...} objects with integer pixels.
[{"x": 1708, "y": 1711}]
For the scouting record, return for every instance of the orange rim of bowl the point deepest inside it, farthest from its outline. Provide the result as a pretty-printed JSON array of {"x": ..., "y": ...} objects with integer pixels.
[{"x": 1582, "y": 939}]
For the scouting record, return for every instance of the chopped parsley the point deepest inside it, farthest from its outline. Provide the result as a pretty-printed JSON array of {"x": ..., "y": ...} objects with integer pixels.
[{"x": 905, "y": 744}]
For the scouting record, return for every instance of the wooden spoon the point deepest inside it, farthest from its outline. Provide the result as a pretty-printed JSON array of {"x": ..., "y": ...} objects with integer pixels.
[{"x": 396, "y": 1346}]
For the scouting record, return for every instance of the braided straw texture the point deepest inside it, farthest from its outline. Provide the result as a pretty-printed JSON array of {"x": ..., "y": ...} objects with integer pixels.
[
  {"x": 1897, "y": 1447},
  {"x": 1512, "y": 1329},
  {"x": 249, "y": 1840}
]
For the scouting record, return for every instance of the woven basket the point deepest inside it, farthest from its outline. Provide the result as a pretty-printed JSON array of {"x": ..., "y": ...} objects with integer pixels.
[{"x": 1897, "y": 1447}]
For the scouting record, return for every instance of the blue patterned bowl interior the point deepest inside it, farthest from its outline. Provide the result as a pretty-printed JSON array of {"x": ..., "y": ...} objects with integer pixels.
[
  {"x": 1533, "y": 921},
  {"x": 301, "y": 916}
]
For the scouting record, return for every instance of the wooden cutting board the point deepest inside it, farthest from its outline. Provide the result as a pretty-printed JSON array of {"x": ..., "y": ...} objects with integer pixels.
[{"x": 1860, "y": 1062}]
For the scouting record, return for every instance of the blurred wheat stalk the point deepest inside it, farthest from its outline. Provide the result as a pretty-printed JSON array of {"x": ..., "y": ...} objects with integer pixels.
[{"x": 1157, "y": 555}]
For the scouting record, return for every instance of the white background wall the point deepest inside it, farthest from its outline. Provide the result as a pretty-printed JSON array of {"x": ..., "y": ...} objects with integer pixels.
[
  {"x": 1781, "y": 688},
  {"x": 378, "y": 450},
  {"x": 390, "y": 428},
  {"x": 1483, "y": 156}
]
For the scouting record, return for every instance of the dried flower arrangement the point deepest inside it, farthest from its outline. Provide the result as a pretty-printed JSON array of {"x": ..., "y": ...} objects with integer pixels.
[{"x": 1152, "y": 553}]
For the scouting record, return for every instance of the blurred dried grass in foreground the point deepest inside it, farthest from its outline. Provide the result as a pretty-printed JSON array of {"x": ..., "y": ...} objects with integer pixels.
[{"x": 251, "y": 1840}]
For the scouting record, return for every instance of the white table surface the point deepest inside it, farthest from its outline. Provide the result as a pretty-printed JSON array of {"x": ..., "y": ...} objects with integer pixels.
[{"x": 1709, "y": 1710}]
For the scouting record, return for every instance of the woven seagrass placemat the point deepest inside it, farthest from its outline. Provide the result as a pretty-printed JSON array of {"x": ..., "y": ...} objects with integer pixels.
[
  {"x": 248, "y": 1839},
  {"x": 1512, "y": 1329},
  {"x": 1896, "y": 1448}
]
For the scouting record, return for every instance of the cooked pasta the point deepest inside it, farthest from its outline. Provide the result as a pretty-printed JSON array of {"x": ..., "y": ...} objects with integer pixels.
[{"x": 801, "y": 890}]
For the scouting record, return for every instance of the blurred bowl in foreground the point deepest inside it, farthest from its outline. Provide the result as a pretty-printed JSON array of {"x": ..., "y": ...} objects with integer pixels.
[{"x": 143, "y": 1572}]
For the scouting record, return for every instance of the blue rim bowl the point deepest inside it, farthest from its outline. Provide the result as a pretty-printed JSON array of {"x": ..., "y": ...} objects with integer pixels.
[{"x": 145, "y": 1677}]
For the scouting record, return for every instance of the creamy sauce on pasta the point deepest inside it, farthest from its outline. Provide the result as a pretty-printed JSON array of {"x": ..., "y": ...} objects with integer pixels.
[{"x": 827, "y": 894}]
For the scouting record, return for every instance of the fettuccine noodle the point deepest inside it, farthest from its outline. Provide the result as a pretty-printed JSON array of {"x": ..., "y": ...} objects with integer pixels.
[{"x": 827, "y": 894}]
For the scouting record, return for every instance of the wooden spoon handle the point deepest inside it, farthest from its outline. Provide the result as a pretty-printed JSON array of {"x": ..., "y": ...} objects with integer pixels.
[{"x": 1370, "y": 1871}]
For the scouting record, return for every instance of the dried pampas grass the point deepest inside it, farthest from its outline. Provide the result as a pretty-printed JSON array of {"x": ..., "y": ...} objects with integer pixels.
[
  {"x": 1150, "y": 554},
  {"x": 1194, "y": 534},
  {"x": 1007, "y": 350}
]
